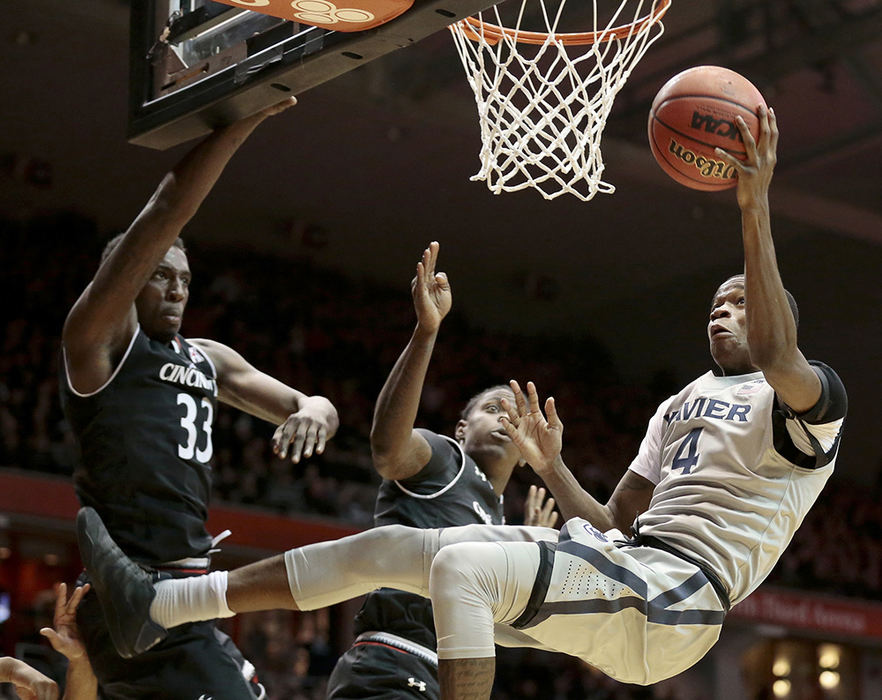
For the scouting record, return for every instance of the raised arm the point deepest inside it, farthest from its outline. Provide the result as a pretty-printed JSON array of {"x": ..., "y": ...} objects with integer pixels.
[
  {"x": 103, "y": 319},
  {"x": 540, "y": 441},
  {"x": 305, "y": 423},
  {"x": 771, "y": 328},
  {"x": 399, "y": 451}
]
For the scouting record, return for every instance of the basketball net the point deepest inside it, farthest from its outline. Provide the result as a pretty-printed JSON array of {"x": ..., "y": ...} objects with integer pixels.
[{"x": 543, "y": 97}]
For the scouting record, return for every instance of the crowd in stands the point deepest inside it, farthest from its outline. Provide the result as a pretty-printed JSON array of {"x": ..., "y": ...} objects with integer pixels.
[{"x": 339, "y": 337}]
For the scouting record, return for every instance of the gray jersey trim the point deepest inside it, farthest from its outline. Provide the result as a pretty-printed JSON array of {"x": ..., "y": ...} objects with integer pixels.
[
  {"x": 112, "y": 376},
  {"x": 429, "y": 496},
  {"x": 393, "y": 640}
]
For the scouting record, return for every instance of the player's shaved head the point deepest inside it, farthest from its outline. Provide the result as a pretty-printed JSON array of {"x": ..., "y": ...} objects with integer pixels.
[
  {"x": 794, "y": 309},
  {"x": 111, "y": 245}
]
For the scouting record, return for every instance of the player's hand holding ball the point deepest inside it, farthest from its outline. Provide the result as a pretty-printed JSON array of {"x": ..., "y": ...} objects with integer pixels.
[{"x": 697, "y": 113}]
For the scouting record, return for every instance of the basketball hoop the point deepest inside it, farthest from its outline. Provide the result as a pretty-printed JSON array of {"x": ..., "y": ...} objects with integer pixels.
[{"x": 544, "y": 96}]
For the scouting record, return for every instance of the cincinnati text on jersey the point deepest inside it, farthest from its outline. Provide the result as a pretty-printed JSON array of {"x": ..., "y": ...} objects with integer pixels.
[{"x": 187, "y": 376}]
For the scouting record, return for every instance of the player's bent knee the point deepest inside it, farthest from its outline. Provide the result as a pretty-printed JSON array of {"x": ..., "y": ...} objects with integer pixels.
[
  {"x": 445, "y": 577},
  {"x": 463, "y": 597}
]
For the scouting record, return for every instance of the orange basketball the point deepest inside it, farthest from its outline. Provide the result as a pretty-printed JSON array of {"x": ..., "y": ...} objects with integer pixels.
[{"x": 695, "y": 112}]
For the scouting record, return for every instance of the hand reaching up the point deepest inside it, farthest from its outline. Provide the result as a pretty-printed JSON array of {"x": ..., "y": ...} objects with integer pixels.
[{"x": 432, "y": 297}]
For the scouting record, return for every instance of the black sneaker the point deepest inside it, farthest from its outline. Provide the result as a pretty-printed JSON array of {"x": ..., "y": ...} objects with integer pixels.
[{"x": 124, "y": 589}]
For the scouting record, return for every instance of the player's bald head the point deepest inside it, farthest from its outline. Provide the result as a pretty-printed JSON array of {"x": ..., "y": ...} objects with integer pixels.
[{"x": 739, "y": 279}]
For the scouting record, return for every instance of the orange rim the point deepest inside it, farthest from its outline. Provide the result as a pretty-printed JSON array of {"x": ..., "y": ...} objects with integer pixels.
[{"x": 478, "y": 30}]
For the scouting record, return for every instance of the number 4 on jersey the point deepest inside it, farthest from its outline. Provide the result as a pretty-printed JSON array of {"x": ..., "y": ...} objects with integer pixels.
[{"x": 689, "y": 446}]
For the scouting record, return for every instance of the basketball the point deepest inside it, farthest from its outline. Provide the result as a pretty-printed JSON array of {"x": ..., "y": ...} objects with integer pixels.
[{"x": 693, "y": 113}]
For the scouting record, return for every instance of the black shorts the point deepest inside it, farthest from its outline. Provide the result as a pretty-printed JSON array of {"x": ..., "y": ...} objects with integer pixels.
[
  {"x": 382, "y": 672},
  {"x": 195, "y": 660}
]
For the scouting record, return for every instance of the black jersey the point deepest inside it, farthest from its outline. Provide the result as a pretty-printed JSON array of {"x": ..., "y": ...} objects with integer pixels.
[
  {"x": 450, "y": 490},
  {"x": 145, "y": 443}
]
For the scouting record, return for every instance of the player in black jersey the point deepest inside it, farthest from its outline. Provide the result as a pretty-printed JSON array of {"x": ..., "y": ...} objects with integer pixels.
[
  {"x": 429, "y": 480},
  {"x": 141, "y": 400}
]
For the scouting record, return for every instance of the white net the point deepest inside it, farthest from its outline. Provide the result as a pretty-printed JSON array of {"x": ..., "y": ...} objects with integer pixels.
[{"x": 544, "y": 96}]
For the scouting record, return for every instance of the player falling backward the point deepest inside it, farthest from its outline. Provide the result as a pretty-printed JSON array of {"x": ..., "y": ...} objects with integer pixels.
[{"x": 726, "y": 472}]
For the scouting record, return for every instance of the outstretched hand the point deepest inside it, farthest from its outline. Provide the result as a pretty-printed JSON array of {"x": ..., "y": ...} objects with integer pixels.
[
  {"x": 303, "y": 433},
  {"x": 432, "y": 297},
  {"x": 64, "y": 635},
  {"x": 539, "y": 440},
  {"x": 537, "y": 514},
  {"x": 755, "y": 172}
]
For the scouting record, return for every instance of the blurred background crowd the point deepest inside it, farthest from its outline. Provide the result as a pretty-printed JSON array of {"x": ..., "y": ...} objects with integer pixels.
[{"x": 339, "y": 337}]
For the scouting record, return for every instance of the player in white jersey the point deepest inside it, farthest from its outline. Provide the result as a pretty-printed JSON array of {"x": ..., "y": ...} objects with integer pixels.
[{"x": 638, "y": 587}]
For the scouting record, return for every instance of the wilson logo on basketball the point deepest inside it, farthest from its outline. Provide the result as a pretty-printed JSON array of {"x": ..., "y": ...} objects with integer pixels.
[
  {"x": 720, "y": 127},
  {"x": 708, "y": 167}
]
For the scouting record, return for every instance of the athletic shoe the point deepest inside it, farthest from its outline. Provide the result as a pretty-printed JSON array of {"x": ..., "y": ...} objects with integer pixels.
[{"x": 124, "y": 589}]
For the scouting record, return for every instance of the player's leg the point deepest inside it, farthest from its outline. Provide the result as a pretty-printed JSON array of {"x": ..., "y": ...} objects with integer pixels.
[
  {"x": 327, "y": 573},
  {"x": 306, "y": 578},
  {"x": 473, "y": 587},
  {"x": 466, "y": 679}
]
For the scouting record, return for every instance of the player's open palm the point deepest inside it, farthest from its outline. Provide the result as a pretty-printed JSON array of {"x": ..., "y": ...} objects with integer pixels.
[
  {"x": 537, "y": 511},
  {"x": 538, "y": 439},
  {"x": 432, "y": 297},
  {"x": 64, "y": 635}
]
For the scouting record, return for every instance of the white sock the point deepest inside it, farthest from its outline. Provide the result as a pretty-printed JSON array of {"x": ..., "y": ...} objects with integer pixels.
[{"x": 181, "y": 600}]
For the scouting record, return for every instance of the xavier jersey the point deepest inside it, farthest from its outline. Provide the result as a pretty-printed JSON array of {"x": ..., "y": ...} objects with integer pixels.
[
  {"x": 145, "y": 443},
  {"x": 450, "y": 490},
  {"x": 736, "y": 471}
]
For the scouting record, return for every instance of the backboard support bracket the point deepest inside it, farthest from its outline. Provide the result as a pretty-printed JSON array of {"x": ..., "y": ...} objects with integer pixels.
[{"x": 308, "y": 57}]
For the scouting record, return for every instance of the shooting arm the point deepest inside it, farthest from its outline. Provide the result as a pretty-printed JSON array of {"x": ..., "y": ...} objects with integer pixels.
[{"x": 771, "y": 328}]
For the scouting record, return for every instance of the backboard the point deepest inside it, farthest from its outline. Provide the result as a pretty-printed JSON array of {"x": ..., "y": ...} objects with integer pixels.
[{"x": 197, "y": 64}]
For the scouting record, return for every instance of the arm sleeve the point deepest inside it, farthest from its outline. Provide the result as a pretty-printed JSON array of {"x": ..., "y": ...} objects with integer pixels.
[{"x": 815, "y": 433}]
